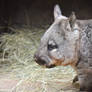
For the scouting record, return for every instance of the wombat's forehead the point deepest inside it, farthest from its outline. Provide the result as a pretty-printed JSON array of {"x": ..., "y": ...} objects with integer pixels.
[
  {"x": 55, "y": 36},
  {"x": 54, "y": 30},
  {"x": 50, "y": 32}
]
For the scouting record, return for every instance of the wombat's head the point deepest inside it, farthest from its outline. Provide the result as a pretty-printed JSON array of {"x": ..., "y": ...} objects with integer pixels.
[{"x": 60, "y": 43}]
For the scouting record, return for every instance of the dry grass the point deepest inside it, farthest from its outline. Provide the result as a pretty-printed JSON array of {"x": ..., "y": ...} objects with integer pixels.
[{"x": 16, "y": 59}]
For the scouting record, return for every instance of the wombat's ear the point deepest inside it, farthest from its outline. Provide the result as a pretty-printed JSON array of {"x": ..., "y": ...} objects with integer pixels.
[
  {"x": 57, "y": 11},
  {"x": 72, "y": 19}
]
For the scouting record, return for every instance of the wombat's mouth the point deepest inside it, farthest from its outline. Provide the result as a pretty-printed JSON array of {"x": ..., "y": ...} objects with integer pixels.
[
  {"x": 42, "y": 63},
  {"x": 50, "y": 66},
  {"x": 45, "y": 65}
]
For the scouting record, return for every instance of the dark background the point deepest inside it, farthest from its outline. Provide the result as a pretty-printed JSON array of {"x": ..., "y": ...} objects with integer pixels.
[{"x": 38, "y": 13}]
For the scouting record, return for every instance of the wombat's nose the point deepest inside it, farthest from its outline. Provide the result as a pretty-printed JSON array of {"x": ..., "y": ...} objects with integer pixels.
[{"x": 39, "y": 60}]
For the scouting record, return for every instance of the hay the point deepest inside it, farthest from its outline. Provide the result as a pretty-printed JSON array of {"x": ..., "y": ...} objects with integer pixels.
[
  {"x": 16, "y": 58},
  {"x": 18, "y": 47}
]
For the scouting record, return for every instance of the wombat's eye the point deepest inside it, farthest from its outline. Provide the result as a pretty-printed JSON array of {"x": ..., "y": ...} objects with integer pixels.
[{"x": 52, "y": 45}]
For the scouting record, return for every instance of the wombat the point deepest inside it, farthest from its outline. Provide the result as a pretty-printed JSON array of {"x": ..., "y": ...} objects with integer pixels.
[{"x": 68, "y": 41}]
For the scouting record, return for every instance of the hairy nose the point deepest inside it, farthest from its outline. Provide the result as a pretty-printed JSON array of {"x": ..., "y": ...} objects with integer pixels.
[
  {"x": 40, "y": 60},
  {"x": 43, "y": 60}
]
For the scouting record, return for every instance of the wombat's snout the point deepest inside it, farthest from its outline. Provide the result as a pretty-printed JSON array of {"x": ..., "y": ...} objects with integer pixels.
[{"x": 41, "y": 60}]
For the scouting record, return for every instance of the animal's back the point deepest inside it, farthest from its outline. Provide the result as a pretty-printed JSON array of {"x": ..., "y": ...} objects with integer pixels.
[{"x": 84, "y": 66}]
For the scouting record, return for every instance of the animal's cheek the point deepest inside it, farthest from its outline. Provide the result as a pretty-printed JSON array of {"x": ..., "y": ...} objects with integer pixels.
[
  {"x": 56, "y": 54},
  {"x": 56, "y": 57},
  {"x": 56, "y": 62}
]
